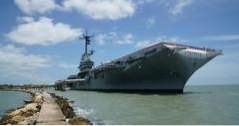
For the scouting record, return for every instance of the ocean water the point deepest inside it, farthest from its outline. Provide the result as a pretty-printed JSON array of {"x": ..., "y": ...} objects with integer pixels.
[
  {"x": 11, "y": 100},
  {"x": 198, "y": 105}
]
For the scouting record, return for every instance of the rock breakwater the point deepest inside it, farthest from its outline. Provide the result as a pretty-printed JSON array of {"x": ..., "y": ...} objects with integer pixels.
[
  {"x": 25, "y": 115},
  {"x": 42, "y": 109},
  {"x": 68, "y": 111}
]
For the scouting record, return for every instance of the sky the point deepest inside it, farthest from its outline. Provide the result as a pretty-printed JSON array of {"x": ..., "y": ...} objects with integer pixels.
[{"x": 39, "y": 39}]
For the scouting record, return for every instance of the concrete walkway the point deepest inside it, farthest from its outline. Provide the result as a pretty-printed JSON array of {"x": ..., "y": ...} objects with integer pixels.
[{"x": 50, "y": 113}]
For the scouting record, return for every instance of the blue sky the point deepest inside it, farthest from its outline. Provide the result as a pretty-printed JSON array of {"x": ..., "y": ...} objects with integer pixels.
[{"x": 39, "y": 38}]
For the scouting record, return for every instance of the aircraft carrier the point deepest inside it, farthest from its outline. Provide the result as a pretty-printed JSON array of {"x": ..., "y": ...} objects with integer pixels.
[{"x": 162, "y": 67}]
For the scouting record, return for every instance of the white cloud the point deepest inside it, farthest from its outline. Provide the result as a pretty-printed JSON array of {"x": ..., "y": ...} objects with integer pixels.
[
  {"x": 114, "y": 37},
  {"x": 101, "y": 9},
  {"x": 42, "y": 32},
  {"x": 16, "y": 62},
  {"x": 164, "y": 38},
  {"x": 179, "y": 6},
  {"x": 173, "y": 7},
  {"x": 142, "y": 2},
  {"x": 36, "y": 6},
  {"x": 223, "y": 37},
  {"x": 126, "y": 39},
  {"x": 101, "y": 39},
  {"x": 95, "y": 9},
  {"x": 160, "y": 38},
  {"x": 19, "y": 65},
  {"x": 143, "y": 44},
  {"x": 25, "y": 19}
]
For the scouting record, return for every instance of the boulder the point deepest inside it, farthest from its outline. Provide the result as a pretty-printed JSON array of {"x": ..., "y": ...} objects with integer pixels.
[
  {"x": 14, "y": 120},
  {"x": 79, "y": 121},
  {"x": 25, "y": 115},
  {"x": 31, "y": 106},
  {"x": 31, "y": 120},
  {"x": 38, "y": 98},
  {"x": 16, "y": 112}
]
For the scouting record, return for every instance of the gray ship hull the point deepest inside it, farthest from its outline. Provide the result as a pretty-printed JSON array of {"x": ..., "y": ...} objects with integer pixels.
[{"x": 163, "y": 67}]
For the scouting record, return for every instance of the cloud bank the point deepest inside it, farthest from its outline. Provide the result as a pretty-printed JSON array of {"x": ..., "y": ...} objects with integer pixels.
[
  {"x": 101, "y": 9},
  {"x": 36, "y": 6},
  {"x": 95, "y": 9},
  {"x": 42, "y": 32},
  {"x": 179, "y": 6},
  {"x": 114, "y": 37},
  {"x": 15, "y": 62}
]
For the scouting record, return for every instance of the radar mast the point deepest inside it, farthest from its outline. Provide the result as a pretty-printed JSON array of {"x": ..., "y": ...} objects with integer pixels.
[{"x": 86, "y": 64}]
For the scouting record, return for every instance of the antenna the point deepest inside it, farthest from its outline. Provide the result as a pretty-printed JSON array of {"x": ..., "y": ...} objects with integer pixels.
[
  {"x": 87, "y": 39},
  {"x": 86, "y": 64}
]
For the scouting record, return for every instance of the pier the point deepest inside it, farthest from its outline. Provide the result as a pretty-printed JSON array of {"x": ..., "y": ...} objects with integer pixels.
[
  {"x": 43, "y": 108},
  {"x": 50, "y": 113}
]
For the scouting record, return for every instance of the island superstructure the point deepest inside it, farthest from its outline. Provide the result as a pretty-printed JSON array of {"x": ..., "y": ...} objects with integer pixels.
[{"x": 162, "y": 67}]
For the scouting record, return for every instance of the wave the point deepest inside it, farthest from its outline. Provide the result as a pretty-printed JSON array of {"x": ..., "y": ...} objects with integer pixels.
[
  {"x": 89, "y": 114},
  {"x": 84, "y": 112}
]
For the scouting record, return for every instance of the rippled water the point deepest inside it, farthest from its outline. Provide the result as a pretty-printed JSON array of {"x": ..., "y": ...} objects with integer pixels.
[
  {"x": 198, "y": 105},
  {"x": 11, "y": 100}
]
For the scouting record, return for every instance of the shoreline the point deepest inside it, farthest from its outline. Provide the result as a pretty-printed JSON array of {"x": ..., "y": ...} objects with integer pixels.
[{"x": 29, "y": 112}]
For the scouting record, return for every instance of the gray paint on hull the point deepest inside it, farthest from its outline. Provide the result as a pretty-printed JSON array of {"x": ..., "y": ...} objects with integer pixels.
[{"x": 164, "y": 69}]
